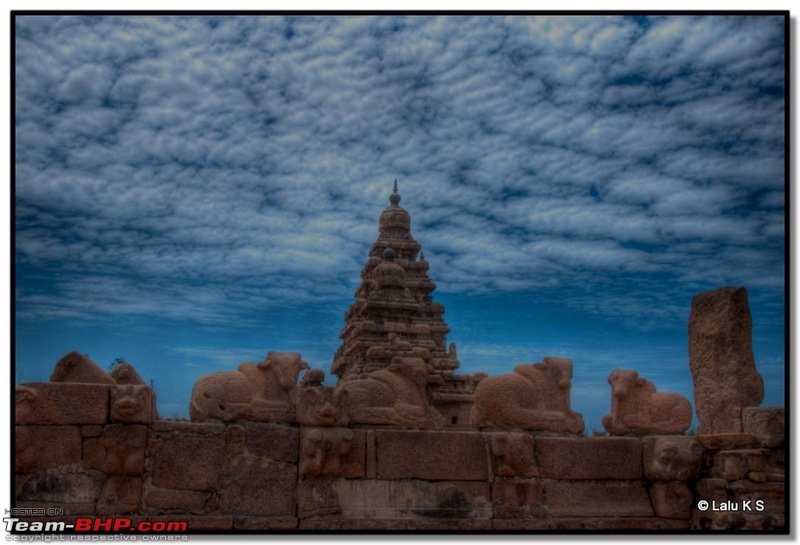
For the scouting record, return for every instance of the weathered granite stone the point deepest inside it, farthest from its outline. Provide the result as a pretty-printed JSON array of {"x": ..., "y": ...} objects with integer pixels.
[
  {"x": 59, "y": 486},
  {"x": 636, "y": 407},
  {"x": 120, "y": 495},
  {"x": 672, "y": 458},
  {"x": 252, "y": 523},
  {"x": 76, "y": 367},
  {"x": 722, "y": 441},
  {"x": 186, "y": 501},
  {"x": 318, "y": 406},
  {"x": 413, "y": 499},
  {"x": 132, "y": 403},
  {"x": 516, "y": 498},
  {"x": 767, "y": 424},
  {"x": 188, "y": 463},
  {"x": 332, "y": 452},
  {"x": 394, "y": 396},
  {"x": 424, "y": 455},
  {"x": 263, "y": 392},
  {"x": 672, "y": 500},
  {"x": 120, "y": 450},
  {"x": 734, "y": 465},
  {"x": 589, "y": 457},
  {"x": 274, "y": 441},
  {"x": 40, "y": 447},
  {"x": 721, "y": 359},
  {"x": 511, "y": 454},
  {"x": 534, "y": 397},
  {"x": 124, "y": 373},
  {"x": 597, "y": 499},
  {"x": 316, "y": 497},
  {"x": 249, "y": 485},
  {"x": 62, "y": 403}
]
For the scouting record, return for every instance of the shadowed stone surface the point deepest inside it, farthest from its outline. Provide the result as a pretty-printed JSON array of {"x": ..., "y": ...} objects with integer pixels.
[
  {"x": 425, "y": 455},
  {"x": 62, "y": 403},
  {"x": 721, "y": 359}
]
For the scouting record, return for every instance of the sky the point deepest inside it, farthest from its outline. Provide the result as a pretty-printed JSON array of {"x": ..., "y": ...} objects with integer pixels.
[{"x": 192, "y": 192}]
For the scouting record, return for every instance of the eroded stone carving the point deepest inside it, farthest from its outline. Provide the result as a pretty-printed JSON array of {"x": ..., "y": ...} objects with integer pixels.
[
  {"x": 264, "y": 391},
  {"x": 324, "y": 450},
  {"x": 721, "y": 359},
  {"x": 533, "y": 397},
  {"x": 636, "y": 407},
  {"x": 319, "y": 406},
  {"x": 394, "y": 396},
  {"x": 76, "y": 367},
  {"x": 124, "y": 373},
  {"x": 132, "y": 403},
  {"x": 511, "y": 454},
  {"x": 676, "y": 458}
]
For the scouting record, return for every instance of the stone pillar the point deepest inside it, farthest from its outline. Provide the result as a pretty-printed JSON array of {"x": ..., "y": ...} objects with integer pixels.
[{"x": 721, "y": 359}]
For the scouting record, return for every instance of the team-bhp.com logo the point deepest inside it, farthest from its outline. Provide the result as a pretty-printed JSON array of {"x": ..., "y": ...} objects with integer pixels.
[{"x": 95, "y": 525}]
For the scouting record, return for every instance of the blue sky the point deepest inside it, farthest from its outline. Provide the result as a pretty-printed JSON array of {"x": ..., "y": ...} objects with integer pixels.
[{"x": 192, "y": 192}]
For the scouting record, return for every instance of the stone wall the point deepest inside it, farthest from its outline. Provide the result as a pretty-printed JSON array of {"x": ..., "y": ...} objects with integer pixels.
[{"x": 90, "y": 460}]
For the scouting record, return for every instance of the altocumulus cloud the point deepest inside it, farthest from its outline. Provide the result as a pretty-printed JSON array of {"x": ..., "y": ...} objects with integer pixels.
[{"x": 214, "y": 166}]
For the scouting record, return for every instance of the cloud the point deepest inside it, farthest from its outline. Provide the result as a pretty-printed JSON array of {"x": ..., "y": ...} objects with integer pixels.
[{"x": 246, "y": 158}]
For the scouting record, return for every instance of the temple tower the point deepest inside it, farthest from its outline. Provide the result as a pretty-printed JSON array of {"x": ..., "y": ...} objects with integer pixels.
[{"x": 394, "y": 314}]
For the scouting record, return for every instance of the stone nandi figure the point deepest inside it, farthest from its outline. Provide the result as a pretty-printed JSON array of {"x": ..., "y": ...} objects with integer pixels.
[
  {"x": 394, "y": 395},
  {"x": 262, "y": 391},
  {"x": 636, "y": 407},
  {"x": 76, "y": 367},
  {"x": 533, "y": 397}
]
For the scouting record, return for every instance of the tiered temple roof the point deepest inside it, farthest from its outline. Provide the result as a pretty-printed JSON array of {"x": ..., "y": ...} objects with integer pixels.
[{"x": 394, "y": 313}]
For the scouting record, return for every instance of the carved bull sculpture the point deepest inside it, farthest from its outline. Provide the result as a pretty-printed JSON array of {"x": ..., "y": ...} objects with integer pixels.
[
  {"x": 636, "y": 407},
  {"x": 262, "y": 391},
  {"x": 533, "y": 397},
  {"x": 394, "y": 396}
]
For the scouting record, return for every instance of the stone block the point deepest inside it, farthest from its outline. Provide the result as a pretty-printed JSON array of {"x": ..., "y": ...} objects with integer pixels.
[
  {"x": 766, "y": 424},
  {"x": 431, "y": 455},
  {"x": 62, "y": 403},
  {"x": 394, "y": 500},
  {"x": 188, "y": 463},
  {"x": 722, "y": 441},
  {"x": 734, "y": 465},
  {"x": 511, "y": 454},
  {"x": 671, "y": 457},
  {"x": 186, "y": 501},
  {"x": 317, "y": 498},
  {"x": 273, "y": 441},
  {"x": 253, "y": 523},
  {"x": 183, "y": 428},
  {"x": 515, "y": 498},
  {"x": 120, "y": 495},
  {"x": 721, "y": 359},
  {"x": 40, "y": 447},
  {"x": 672, "y": 500},
  {"x": 119, "y": 450},
  {"x": 132, "y": 404},
  {"x": 632, "y": 524},
  {"x": 250, "y": 485},
  {"x": 57, "y": 486},
  {"x": 589, "y": 457},
  {"x": 520, "y": 524},
  {"x": 597, "y": 499},
  {"x": 333, "y": 452}
]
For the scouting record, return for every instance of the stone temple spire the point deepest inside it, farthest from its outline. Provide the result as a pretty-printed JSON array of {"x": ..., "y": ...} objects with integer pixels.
[{"x": 394, "y": 313}]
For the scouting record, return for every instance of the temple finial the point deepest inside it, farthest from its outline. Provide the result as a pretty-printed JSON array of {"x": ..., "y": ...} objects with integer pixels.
[{"x": 394, "y": 198}]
